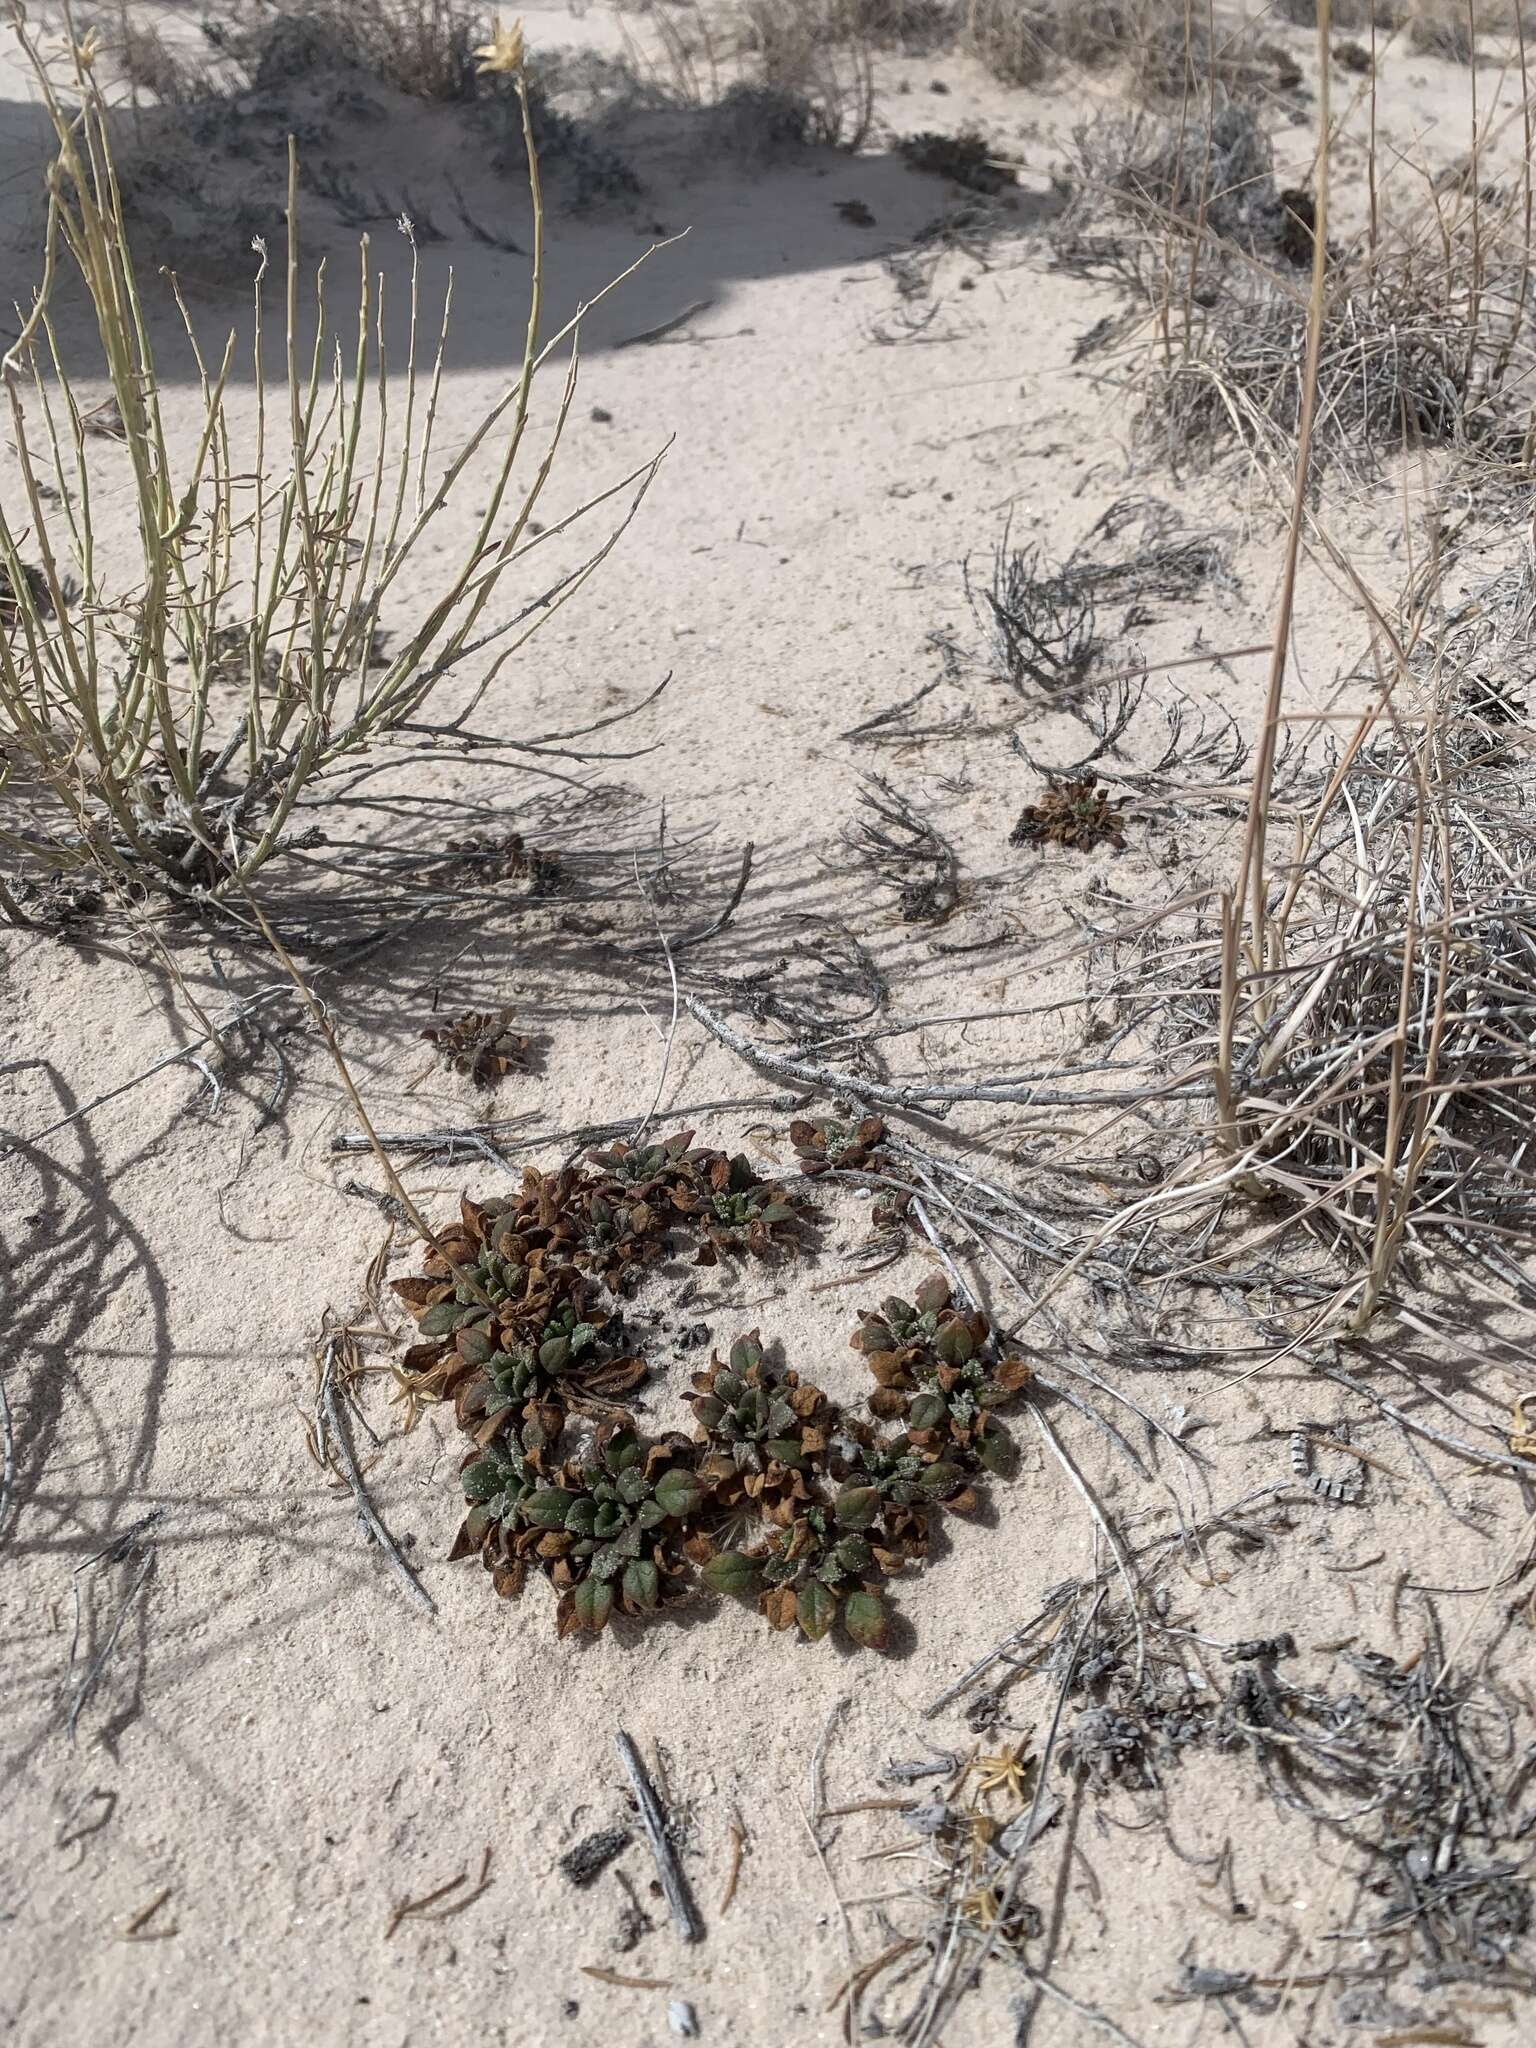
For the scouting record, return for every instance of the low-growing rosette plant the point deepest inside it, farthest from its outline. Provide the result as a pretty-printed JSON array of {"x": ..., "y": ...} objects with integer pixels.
[
  {"x": 889, "y": 1487},
  {"x": 763, "y": 1429},
  {"x": 616, "y": 1528},
  {"x": 740, "y": 1212},
  {"x": 939, "y": 1373},
  {"x": 779, "y": 1497},
  {"x": 498, "y": 1481},
  {"x": 506, "y": 1333},
  {"x": 826, "y": 1144}
]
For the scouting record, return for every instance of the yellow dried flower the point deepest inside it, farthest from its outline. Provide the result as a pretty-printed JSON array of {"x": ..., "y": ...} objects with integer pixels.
[{"x": 504, "y": 52}]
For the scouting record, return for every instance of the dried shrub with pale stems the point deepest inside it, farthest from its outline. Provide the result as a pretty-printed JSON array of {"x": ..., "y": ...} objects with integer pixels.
[{"x": 169, "y": 720}]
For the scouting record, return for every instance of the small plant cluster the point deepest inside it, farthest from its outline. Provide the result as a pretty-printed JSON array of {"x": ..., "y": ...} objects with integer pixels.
[
  {"x": 484, "y": 1045},
  {"x": 778, "y": 1495},
  {"x": 1075, "y": 812}
]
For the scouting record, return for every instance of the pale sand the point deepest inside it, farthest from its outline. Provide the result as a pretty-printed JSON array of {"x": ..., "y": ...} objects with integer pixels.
[{"x": 282, "y": 1740}]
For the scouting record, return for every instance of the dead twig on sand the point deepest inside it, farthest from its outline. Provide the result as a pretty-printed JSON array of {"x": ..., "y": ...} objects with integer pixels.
[
  {"x": 123, "y": 1547},
  {"x": 685, "y": 1914},
  {"x": 417, "y": 1909},
  {"x": 139, "y": 1929},
  {"x": 332, "y": 1438},
  {"x": 481, "y": 1137},
  {"x": 665, "y": 327},
  {"x": 932, "y": 1099}
]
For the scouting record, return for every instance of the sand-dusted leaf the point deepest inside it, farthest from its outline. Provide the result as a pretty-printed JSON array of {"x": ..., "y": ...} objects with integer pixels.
[
  {"x": 473, "y": 1344},
  {"x": 593, "y": 1603},
  {"x": 815, "y": 1609},
  {"x": 954, "y": 1342},
  {"x": 678, "y": 1492},
  {"x": 641, "y": 1586},
  {"x": 996, "y": 1450},
  {"x": 856, "y": 1507},
  {"x": 443, "y": 1318},
  {"x": 731, "y": 1571},
  {"x": 867, "y": 1620},
  {"x": 926, "y": 1412},
  {"x": 779, "y": 1605},
  {"x": 548, "y": 1508}
]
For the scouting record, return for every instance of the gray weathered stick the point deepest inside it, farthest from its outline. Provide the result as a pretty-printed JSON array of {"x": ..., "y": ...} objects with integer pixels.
[
  {"x": 685, "y": 1914},
  {"x": 335, "y": 1436},
  {"x": 103, "y": 1656}
]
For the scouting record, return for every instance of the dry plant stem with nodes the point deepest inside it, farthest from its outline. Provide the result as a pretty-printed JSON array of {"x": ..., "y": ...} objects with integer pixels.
[{"x": 164, "y": 725}]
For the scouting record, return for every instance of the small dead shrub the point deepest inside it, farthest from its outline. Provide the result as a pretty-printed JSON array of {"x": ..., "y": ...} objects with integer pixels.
[
  {"x": 1078, "y": 813},
  {"x": 1437, "y": 28},
  {"x": 965, "y": 159}
]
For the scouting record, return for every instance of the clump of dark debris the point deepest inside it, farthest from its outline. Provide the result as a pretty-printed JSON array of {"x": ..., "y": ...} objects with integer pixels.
[
  {"x": 484, "y": 1045},
  {"x": 1414, "y": 1767},
  {"x": 1079, "y": 813},
  {"x": 966, "y": 159},
  {"x": 892, "y": 840},
  {"x": 484, "y": 859}
]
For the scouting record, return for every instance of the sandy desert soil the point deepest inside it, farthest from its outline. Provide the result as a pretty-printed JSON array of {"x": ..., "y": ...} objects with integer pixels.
[{"x": 282, "y": 1747}]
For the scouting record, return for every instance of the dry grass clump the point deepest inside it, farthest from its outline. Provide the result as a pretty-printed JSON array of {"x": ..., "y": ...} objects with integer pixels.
[
  {"x": 1024, "y": 41},
  {"x": 883, "y": 24},
  {"x": 1346, "y": 14},
  {"x": 1365, "y": 1047},
  {"x": 1423, "y": 338},
  {"x": 1439, "y": 29},
  {"x": 423, "y": 48},
  {"x": 809, "y": 52},
  {"x": 1166, "y": 50},
  {"x": 166, "y": 723}
]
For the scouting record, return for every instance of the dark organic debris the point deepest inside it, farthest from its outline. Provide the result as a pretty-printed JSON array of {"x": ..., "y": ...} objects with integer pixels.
[
  {"x": 1079, "y": 813},
  {"x": 483, "y": 1045},
  {"x": 1298, "y": 226},
  {"x": 965, "y": 159},
  {"x": 585, "y": 1864}
]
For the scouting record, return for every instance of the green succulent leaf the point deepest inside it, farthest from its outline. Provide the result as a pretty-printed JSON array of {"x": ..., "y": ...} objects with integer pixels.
[
  {"x": 927, "y": 1411},
  {"x": 678, "y": 1492},
  {"x": 816, "y": 1609},
  {"x": 484, "y": 1479},
  {"x": 593, "y": 1601},
  {"x": 995, "y": 1450},
  {"x": 642, "y": 1585},
  {"x": 942, "y": 1479},
  {"x": 548, "y": 1508},
  {"x": 730, "y": 1571},
  {"x": 555, "y": 1354},
  {"x": 857, "y": 1506},
  {"x": 866, "y": 1619},
  {"x": 954, "y": 1343},
  {"x": 443, "y": 1318}
]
